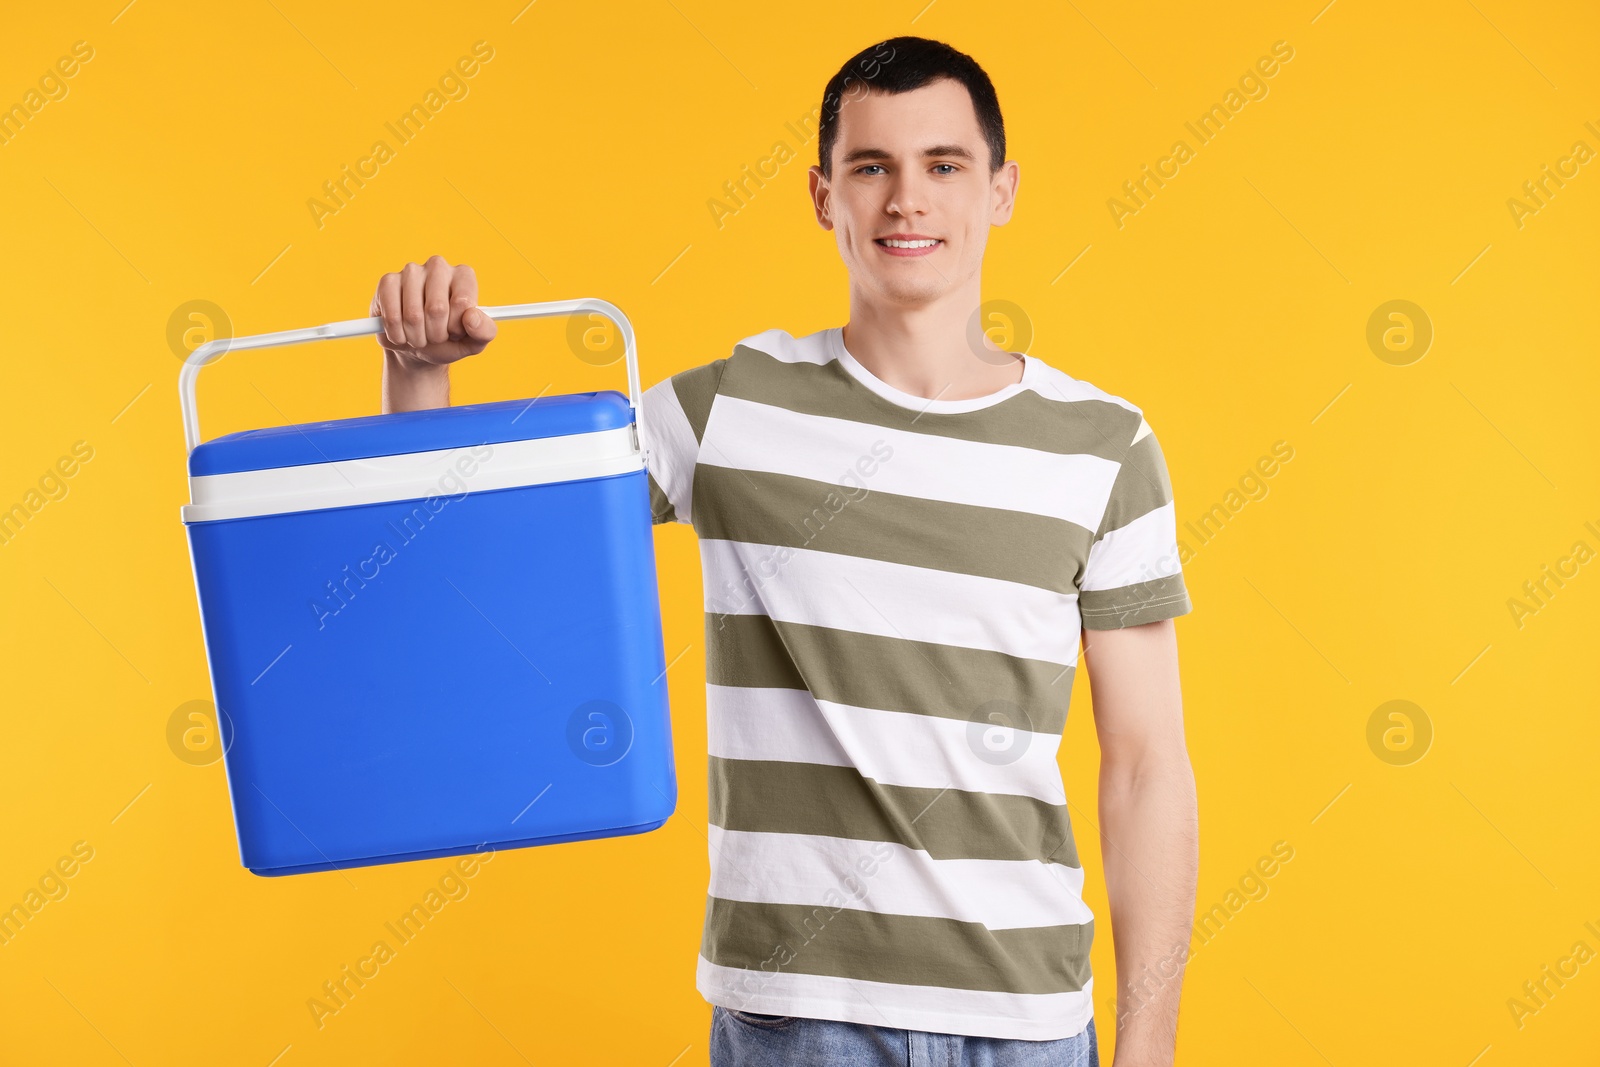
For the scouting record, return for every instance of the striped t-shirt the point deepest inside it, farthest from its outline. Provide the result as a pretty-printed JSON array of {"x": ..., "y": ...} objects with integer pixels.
[{"x": 895, "y": 589}]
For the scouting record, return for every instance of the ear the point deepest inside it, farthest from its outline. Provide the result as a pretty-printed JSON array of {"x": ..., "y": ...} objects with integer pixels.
[
  {"x": 1004, "y": 190},
  {"x": 821, "y": 196}
]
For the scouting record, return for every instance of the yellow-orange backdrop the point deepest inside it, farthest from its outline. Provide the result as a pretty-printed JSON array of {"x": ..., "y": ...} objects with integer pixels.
[{"x": 1382, "y": 562}]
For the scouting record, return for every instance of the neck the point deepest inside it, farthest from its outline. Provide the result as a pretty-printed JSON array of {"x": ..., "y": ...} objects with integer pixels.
[{"x": 936, "y": 350}]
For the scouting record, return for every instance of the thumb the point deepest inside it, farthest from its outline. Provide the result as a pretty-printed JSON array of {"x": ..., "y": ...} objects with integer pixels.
[{"x": 479, "y": 326}]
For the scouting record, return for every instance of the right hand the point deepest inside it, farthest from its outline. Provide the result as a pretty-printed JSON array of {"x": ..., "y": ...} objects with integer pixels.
[{"x": 430, "y": 313}]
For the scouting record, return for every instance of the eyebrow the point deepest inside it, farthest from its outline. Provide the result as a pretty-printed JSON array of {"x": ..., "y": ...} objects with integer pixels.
[{"x": 860, "y": 154}]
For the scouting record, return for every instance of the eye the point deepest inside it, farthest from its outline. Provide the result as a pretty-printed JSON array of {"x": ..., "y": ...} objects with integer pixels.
[
  {"x": 860, "y": 169},
  {"x": 952, "y": 166}
]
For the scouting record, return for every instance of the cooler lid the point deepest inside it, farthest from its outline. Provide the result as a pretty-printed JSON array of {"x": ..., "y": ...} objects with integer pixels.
[{"x": 401, "y": 433}]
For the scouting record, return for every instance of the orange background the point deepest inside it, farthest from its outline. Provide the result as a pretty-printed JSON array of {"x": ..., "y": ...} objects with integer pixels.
[{"x": 1377, "y": 564}]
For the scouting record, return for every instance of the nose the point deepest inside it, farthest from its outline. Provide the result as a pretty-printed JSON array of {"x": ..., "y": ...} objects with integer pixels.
[{"x": 906, "y": 195}]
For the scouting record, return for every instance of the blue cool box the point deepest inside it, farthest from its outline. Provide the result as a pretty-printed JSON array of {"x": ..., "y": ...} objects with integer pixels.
[{"x": 434, "y": 632}]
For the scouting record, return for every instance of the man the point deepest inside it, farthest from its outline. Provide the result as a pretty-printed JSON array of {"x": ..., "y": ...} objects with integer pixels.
[{"x": 904, "y": 533}]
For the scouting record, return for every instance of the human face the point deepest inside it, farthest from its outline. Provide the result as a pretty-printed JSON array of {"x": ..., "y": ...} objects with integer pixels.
[{"x": 912, "y": 166}]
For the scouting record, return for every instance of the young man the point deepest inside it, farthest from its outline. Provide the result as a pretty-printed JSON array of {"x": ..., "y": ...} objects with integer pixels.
[{"x": 904, "y": 533}]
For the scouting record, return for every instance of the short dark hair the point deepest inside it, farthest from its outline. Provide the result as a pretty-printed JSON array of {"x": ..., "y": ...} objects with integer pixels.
[{"x": 899, "y": 65}]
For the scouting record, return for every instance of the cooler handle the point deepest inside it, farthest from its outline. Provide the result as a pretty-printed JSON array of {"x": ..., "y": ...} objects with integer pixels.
[{"x": 214, "y": 350}]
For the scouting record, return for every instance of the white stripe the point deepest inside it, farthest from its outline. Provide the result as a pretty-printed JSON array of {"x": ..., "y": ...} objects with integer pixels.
[
  {"x": 669, "y": 439},
  {"x": 1141, "y": 433},
  {"x": 443, "y": 472},
  {"x": 887, "y": 878},
  {"x": 1142, "y": 551},
  {"x": 785, "y": 347},
  {"x": 802, "y": 585},
  {"x": 1017, "y": 1016},
  {"x": 1057, "y": 384},
  {"x": 744, "y": 434},
  {"x": 987, "y": 755}
]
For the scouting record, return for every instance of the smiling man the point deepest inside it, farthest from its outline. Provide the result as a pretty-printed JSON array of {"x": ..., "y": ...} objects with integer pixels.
[{"x": 905, "y": 533}]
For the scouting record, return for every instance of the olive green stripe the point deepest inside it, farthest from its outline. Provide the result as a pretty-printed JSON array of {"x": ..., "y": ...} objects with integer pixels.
[
  {"x": 904, "y": 949},
  {"x": 888, "y": 673},
  {"x": 1027, "y": 419},
  {"x": 775, "y": 797},
  {"x": 696, "y": 388},
  {"x": 1134, "y": 605},
  {"x": 1142, "y": 485},
  {"x": 794, "y": 512}
]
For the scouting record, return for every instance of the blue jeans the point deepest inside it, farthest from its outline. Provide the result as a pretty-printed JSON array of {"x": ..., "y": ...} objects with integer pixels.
[{"x": 745, "y": 1039}]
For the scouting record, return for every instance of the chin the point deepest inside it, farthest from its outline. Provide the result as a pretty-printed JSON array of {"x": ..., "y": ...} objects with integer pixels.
[{"x": 910, "y": 295}]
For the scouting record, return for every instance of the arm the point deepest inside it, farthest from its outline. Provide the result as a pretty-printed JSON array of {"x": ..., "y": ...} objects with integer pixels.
[
  {"x": 430, "y": 319},
  {"x": 409, "y": 387},
  {"x": 1149, "y": 832}
]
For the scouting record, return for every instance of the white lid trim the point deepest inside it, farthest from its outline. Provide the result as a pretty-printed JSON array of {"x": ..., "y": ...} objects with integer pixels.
[{"x": 411, "y": 476}]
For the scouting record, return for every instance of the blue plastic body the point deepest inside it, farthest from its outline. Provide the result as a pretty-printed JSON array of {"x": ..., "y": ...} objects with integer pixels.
[{"x": 431, "y": 678}]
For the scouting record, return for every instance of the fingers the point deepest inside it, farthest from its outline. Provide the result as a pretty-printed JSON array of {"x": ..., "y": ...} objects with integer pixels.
[
  {"x": 471, "y": 325},
  {"x": 386, "y": 305},
  {"x": 463, "y": 295},
  {"x": 412, "y": 277},
  {"x": 437, "y": 278},
  {"x": 430, "y": 312},
  {"x": 481, "y": 329}
]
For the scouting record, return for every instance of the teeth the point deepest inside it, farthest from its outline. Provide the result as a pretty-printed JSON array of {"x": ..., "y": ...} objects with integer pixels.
[{"x": 924, "y": 243}]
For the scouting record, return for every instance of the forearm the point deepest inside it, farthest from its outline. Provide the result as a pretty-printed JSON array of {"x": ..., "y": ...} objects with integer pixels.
[
  {"x": 412, "y": 386},
  {"x": 1149, "y": 839}
]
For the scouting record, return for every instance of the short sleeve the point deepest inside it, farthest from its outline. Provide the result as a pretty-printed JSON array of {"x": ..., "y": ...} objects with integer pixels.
[
  {"x": 1132, "y": 575},
  {"x": 673, "y": 423}
]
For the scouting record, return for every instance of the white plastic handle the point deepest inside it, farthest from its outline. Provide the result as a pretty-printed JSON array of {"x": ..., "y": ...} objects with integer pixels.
[{"x": 214, "y": 350}]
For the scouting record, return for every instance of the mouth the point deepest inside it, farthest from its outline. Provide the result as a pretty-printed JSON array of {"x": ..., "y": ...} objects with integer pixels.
[{"x": 908, "y": 244}]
